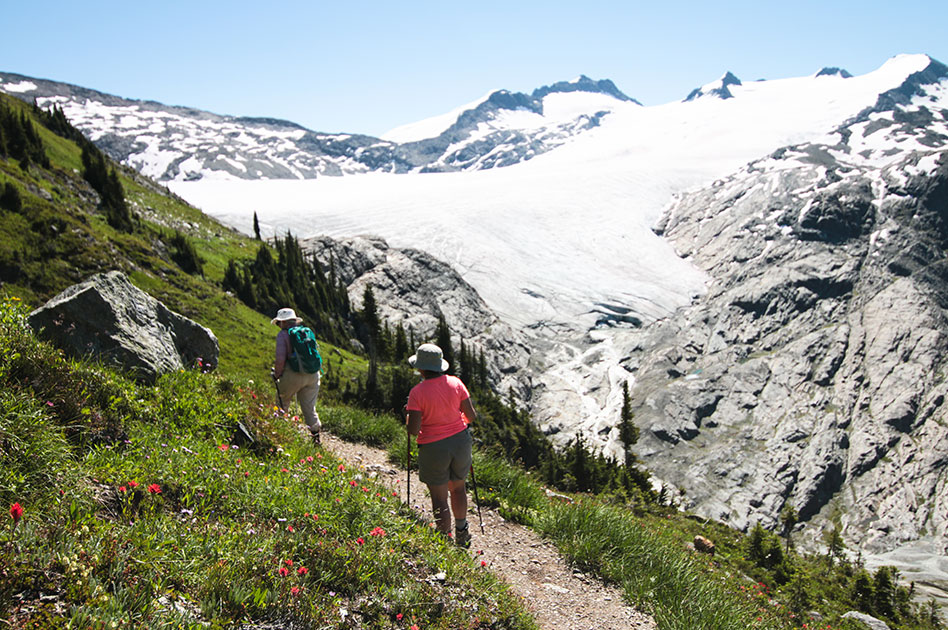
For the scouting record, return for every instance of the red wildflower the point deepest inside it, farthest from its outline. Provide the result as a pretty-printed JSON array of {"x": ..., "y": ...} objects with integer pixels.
[
  {"x": 341, "y": 468},
  {"x": 123, "y": 489},
  {"x": 246, "y": 474},
  {"x": 295, "y": 591},
  {"x": 289, "y": 528},
  {"x": 16, "y": 512},
  {"x": 309, "y": 458},
  {"x": 154, "y": 489},
  {"x": 353, "y": 483},
  {"x": 224, "y": 447},
  {"x": 378, "y": 531},
  {"x": 302, "y": 571},
  {"x": 284, "y": 470},
  {"x": 360, "y": 540},
  {"x": 284, "y": 572},
  {"x": 399, "y": 616},
  {"x": 288, "y": 563},
  {"x": 132, "y": 484},
  {"x": 483, "y": 563}
]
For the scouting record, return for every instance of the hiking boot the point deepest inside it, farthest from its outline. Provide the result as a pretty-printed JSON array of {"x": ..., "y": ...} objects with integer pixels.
[
  {"x": 315, "y": 436},
  {"x": 463, "y": 537}
]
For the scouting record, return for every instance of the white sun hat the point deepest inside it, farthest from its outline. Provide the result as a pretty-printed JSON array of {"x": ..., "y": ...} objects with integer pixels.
[
  {"x": 285, "y": 314},
  {"x": 428, "y": 357}
]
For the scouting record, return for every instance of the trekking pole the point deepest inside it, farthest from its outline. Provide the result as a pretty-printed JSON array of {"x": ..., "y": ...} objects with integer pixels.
[
  {"x": 408, "y": 453},
  {"x": 408, "y": 469},
  {"x": 276, "y": 384},
  {"x": 476, "y": 499}
]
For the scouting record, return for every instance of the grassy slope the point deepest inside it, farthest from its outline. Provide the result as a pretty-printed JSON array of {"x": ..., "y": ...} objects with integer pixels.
[{"x": 139, "y": 512}]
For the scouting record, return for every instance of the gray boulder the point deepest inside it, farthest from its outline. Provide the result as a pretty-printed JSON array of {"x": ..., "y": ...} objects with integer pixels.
[
  {"x": 108, "y": 319},
  {"x": 867, "y": 620}
]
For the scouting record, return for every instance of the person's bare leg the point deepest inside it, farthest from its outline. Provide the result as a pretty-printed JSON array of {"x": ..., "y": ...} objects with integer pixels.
[
  {"x": 458, "y": 498},
  {"x": 439, "y": 506}
]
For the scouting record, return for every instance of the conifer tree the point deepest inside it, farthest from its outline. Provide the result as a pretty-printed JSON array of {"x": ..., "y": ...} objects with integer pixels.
[
  {"x": 401, "y": 350},
  {"x": 16, "y": 140},
  {"x": 10, "y": 198},
  {"x": 884, "y": 591},
  {"x": 834, "y": 544},
  {"x": 628, "y": 432},
  {"x": 256, "y": 227},
  {"x": 789, "y": 519},
  {"x": 443, "y": 340},
  {"x": 482, "y": 370},
  {"x": 463, "y": 362},
  {"x": 370, "y": 320},
  {"x": 579, "y": 466},
  {"x": 113, "y": 199},
  {"x": 184, "y": 254}
]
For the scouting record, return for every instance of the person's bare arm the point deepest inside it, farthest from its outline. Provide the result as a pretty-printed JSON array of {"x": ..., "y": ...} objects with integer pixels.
[
  {"x": 413, "y": 422},
  {"x": 467, "y": 408}
]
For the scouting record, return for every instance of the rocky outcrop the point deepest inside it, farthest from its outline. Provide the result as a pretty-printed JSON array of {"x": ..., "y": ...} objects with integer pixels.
[
  {"x": 107, "y": 318},
  {"x": 414, "y": 289},
  {"x": 813, "y": 371},
  {"x": 867, "y": 621}
]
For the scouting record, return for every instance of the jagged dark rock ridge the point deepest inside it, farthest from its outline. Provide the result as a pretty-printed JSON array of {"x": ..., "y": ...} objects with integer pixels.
[
  {"x": 832, "y": 72},
  {"x": 721, "y": 91},
  {"x": 135, "y": 132}
]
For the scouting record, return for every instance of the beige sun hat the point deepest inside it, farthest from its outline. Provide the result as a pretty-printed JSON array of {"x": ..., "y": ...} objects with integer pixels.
[
  {"x": 285, "y": 314},
  {"x": 428, "y": 357}
]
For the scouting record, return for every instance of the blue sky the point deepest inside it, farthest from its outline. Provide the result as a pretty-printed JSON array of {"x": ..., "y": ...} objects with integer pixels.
[{"x": 366, "y": 67}]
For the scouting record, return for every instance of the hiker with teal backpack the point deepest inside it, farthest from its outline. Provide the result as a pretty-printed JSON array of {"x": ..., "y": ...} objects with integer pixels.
[{"x": 296, "y": 367}]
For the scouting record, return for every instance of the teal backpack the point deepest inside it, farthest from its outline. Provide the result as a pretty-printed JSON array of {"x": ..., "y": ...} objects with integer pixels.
[{"x": 305, "y": 357}]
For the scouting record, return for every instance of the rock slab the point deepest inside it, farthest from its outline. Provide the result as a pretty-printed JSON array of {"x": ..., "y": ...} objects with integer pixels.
[{"x": 107, "y": 318}]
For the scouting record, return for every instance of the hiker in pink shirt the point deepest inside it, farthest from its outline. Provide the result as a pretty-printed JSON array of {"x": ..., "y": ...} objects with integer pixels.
[{"x": 438, "y": 411}]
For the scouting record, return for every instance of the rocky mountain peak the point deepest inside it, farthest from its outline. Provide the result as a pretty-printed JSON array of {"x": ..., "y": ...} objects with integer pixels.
[
  {"x": 584, "y": 84},
  {"x": 833, "y": 72},
  {"x": 717, "y": 88}
]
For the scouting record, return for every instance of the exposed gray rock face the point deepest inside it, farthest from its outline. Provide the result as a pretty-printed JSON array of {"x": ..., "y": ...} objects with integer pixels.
[
  {"x": 415, "y": 289},
  {"x": 108, "y": 319},
  {"x": 867, "y": 620},
  {"x": 813, "y": 371}
]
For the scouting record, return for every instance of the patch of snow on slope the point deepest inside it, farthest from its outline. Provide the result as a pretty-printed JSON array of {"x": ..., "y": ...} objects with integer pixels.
[
  {"x": 430, "y": 127},
  {"x": 18, "y": 88}
]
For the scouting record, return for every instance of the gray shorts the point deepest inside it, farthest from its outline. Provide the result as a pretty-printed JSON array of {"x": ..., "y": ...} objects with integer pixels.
[{"x": 445, "y": 460}]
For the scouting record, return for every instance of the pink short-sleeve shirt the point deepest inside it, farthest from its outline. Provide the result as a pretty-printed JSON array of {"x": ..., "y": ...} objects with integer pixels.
[{"x": 439, "y": 401}]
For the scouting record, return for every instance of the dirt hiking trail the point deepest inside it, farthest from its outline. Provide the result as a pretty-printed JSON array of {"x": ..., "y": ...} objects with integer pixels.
[{"x": 559, "y": 597}]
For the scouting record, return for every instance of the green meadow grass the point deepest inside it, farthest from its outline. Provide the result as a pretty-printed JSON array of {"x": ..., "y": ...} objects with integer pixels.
[
  {"x": 142, "y": 508},
  {"x": 644, "y": 554}
]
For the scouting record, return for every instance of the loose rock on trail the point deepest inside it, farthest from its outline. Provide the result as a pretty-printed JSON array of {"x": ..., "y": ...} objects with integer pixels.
[{"x": 558, "y": 596}]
